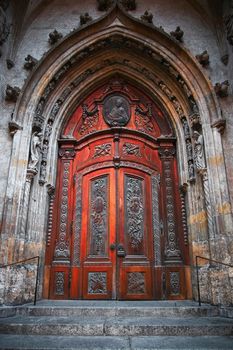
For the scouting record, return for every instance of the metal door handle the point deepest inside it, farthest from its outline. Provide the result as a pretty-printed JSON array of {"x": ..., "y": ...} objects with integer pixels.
[
  {"x": 121, "y": 251},
  {"x": 112, "y": 246}
]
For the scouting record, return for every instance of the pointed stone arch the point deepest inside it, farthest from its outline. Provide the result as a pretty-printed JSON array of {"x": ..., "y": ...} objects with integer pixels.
[{"x": 119, "y": 44}]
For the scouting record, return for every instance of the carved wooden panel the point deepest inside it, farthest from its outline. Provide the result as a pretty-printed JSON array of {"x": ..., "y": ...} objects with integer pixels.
[
  {"x": 97, "y": 282},
  {"x": 59, "y": 283},
  {"x": 99, "y": 216},
  {"x": 134, "y": 212},
  {"x": 136, "y": 283}
]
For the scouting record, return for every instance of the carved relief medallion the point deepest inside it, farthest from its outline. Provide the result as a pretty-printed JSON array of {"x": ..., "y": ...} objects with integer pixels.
[{"x": 116, "y": 111}]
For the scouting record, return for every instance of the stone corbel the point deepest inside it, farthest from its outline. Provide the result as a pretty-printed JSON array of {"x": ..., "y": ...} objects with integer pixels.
[
  {"x": 13, "y": 127},
  {"x": 12, "y": 93},
  {"x": 220, "y": 125}
]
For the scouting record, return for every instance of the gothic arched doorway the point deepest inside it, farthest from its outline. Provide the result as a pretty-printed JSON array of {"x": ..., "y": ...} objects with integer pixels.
[{"x": 117, "y": 226}]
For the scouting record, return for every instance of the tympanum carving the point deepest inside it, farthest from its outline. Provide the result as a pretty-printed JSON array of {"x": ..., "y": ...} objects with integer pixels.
[
  {"x": 143, "y": 118},
  {"x": 116, "y": 110},
  {"x": 89, "y": 120}
]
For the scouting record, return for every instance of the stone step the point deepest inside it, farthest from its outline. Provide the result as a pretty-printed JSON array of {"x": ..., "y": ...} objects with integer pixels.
[
  {"x": 116, "y": 308},
  {"x": 116, "y": 326},
  {"x": 32, "y": 342}
]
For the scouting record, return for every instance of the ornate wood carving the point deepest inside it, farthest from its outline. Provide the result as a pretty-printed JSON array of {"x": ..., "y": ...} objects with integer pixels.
[
  {"x": 143, "y": 119},
  {"x": 174, "y": 283},
  {"x": 62, "y": 251},
  {"x": 131, "y": 149},
  {"x": 116, "y": 110},
  {"x": 97, "y": 283},
  {"x": 99, "y": 216},
  {"x": 51, "y": 193},
  {"x": 102, "y": 150},
  {"x": 155, "y": 180},
  {"x": 134, "y": 211},
  {"x": 78, "y": 221},
  {"x": 172, "y": 251},
  {"x": 136, "y": 283},
  {"x": 59, "y": 283},
  {"x": 90, "y": 119}
]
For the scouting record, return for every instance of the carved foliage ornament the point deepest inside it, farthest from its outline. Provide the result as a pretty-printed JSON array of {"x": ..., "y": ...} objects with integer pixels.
[
  {"x": 99, "y": 215},
  {"x": 12, "y": 93},
  {"x": 136, "y": 283},
  {"x": 143, "y": 119},
  {"x": 134, "y": 202},
  {"x": 89, "y": 121},
  {"x": 97, "y": 283},
  {"x": 102, "y": 150}
]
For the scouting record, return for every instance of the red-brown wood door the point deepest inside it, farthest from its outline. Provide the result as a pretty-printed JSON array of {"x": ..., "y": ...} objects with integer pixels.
[{"x": 116, "y": 241}]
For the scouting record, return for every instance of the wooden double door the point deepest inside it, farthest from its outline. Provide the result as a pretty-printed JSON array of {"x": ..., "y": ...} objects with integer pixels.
[
  {"x": 116, "y": 228},
  {"x": 117, "y": 254}
]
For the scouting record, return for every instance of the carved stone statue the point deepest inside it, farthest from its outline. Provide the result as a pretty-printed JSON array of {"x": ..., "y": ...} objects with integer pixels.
[
  {"x": 189, "y": 149},
  {"x": 191, "y": 170},
  {"x": 116, "y": 111},
  {"x": 185, "y": 127},
  {"x": 199, "y": 156},
  {"x": 35, "y": 150},
  {"x": 48, "y": 130}
]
